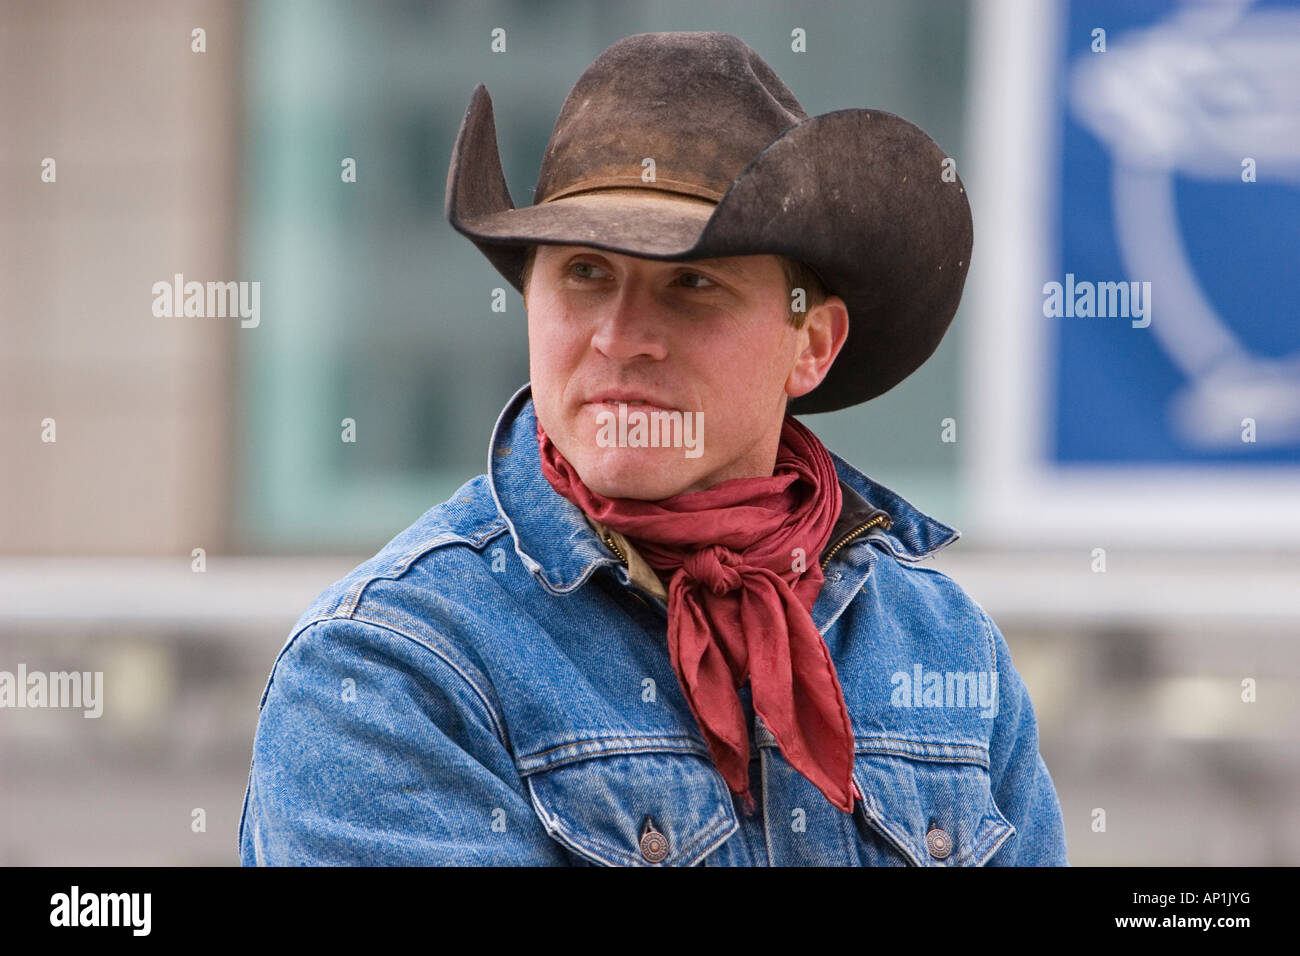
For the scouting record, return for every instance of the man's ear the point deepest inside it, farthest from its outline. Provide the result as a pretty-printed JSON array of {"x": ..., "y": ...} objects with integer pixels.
[{"x": 824, "y": 332}]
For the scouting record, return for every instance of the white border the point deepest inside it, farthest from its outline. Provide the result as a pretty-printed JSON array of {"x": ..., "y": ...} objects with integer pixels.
[{"x": 1016, "y": 498}]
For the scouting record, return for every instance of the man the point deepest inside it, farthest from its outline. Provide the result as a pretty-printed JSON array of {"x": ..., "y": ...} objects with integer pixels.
[{"x": 667, "y": 626}]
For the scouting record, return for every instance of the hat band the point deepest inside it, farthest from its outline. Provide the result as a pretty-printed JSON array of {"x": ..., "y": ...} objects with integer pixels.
[{"x": 693, "y": 190}]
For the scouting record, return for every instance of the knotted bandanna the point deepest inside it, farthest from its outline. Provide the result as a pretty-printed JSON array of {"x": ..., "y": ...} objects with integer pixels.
[{"x": 743, "y": 559}]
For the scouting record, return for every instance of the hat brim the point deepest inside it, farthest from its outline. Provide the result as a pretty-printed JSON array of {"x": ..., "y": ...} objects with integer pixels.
[
  {"x": 857, "y": 194},
  {"x": 647, "y": 222}
]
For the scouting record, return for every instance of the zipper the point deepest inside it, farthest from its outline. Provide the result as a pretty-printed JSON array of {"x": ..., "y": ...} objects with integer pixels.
[
  {"x": 618, "y": 552},
  {"x": 880, "y": 519}
]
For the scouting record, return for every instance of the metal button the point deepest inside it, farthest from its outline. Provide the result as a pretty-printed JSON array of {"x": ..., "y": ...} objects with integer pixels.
[
  {"x": 654, "y": 845},
  {"x": 939, "y": 843}
]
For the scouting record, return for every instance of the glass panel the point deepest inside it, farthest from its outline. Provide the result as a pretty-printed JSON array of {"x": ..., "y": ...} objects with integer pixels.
[{"x": 375, "y": 310}]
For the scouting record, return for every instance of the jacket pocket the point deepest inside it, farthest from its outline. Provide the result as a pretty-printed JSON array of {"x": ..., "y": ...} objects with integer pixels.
[
  {"x": 927, "y": 805},
  {"x": 646, "y": 808}
]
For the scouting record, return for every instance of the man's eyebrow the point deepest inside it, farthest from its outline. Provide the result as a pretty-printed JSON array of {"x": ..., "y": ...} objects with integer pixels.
[{"x": 723, "y": 265}]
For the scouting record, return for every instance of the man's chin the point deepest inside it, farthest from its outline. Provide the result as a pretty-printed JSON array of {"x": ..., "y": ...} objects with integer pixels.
[{"x": 638, "y": 476}]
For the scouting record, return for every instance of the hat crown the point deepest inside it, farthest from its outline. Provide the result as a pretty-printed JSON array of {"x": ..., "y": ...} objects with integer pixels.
[{"x": 700, "y": 105}]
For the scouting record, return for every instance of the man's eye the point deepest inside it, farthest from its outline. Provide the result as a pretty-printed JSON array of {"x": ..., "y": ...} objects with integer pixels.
[
  {"x": 577, "y": 268},
  {"x": 686, "y": 278}
]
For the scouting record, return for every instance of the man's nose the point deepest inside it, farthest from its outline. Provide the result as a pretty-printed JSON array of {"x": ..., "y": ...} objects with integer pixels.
[{"x": 628, "y": 327}]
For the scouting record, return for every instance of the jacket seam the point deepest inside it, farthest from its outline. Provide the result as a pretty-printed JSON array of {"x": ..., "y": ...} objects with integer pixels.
[
  {"x": 243, "y": 811},
  {"x": 494, "y": 720},
  {"x": 622, "y": 746},
  {"x": 918, "y": 749},
  {"x": 348, "y": 602},
  {"x": 920, "y": 742},
  {"x": 616, "y": 856},
  {"x": 764, "y": 782},
  {"x": 878, "y": 822},
  {"x": 1007, "y": 830},
  {"x": 988, "y": 633},
  {"x": 603, "y": 852},
  {"x": 979, "y": 759}
]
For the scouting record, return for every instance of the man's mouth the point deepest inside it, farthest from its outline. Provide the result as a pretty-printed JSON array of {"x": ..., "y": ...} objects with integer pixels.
[
  {"x": 613, "y": 403},
  {"x": 643, "y": 407}
]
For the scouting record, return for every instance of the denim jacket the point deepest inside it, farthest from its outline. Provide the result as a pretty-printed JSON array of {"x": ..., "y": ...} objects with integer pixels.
[{"x": 493, "y": 688}]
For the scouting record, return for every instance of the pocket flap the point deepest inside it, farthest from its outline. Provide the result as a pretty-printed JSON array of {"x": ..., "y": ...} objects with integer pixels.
[
  {"x": 599, "y": 807},
  {"x": 905, "y": 797}
]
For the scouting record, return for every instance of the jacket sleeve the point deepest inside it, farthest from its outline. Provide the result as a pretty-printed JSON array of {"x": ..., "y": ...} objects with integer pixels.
[
  {"x": 373, "y": 749},
  {"x": 1022, "y": 786}
]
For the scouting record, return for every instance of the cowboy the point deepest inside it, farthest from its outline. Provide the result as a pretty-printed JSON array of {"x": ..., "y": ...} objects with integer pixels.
[{"x": 604, "y": 652}]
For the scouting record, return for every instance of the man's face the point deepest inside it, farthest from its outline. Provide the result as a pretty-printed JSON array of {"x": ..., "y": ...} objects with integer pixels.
[{"x": 705, "y": 336}]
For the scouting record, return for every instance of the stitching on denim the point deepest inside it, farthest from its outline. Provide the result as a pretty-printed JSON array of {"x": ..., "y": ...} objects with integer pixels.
[
  {"x": 592, "y": 843},
  {"x": 243, "y": 810},
  {"x": 993, "y": 826},
  {"x": 724, "y": 822},
  {"x": 973, "y": 760},
  {"x": 988, "y": 632},
  {"x": 919, "y": 742},
  {"x": 914, "y": 556},
  {"x": 764, "y": 780},
  {"x": 496, "y": 716},
  {"x": 618, "y": 745},
  {"x": 497, "y": 721},
  {"x": 1000, "y": 831},
  {"x": 881, "y": 825},
  {"x": 854, "y": 592},
  {"x": 979, "y": 749},
  {"x": 352, "y": 597},
  {"x": 583, "y": 574},
  {"x": 976, "y": 758},
  {"x": 556, "y": 830},
  {"x": 591, "y": 847},
  {"x": 1007, "y": 834},
  {"x": 989, "y": 826},
  {"x": 721, "y": 839},
  {"x": 293, "y": 636},
  {"x": 965, "y": 752},
  {"x": 996, "y": 829}
]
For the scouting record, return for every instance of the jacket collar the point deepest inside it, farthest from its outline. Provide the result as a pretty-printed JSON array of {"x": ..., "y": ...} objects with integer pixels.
[{"x": 558, "y": 546}]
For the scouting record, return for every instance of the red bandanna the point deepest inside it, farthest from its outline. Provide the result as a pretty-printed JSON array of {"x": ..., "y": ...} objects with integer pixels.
[{"x": 744, "y": 559}]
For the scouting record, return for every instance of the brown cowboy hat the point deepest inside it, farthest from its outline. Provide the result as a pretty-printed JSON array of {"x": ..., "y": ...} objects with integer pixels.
[{"x": 679, "y": 146}]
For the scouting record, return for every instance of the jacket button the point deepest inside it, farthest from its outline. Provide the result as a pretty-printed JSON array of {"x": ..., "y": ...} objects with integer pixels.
[
  {"x": 939, "y": 843},
  {"x": 654, "y": 845}
]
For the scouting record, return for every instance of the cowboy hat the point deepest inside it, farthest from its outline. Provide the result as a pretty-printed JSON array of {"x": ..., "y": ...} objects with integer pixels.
[{"x": 678, "y": 146}]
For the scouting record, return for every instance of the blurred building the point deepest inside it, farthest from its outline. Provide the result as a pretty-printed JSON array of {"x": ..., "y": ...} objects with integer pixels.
[{"x": 198, "y": 493}]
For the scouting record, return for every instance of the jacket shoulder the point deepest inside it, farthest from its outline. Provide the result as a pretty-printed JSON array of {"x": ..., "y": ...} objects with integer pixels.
[
  {"x": 419, "y": 584},
  {"x": 941, "y": 614},
  {"x": 448, "y": 533}
]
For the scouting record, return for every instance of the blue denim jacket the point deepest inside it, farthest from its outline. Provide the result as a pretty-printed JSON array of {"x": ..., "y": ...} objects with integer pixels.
[{"x": 491, "y": 688}]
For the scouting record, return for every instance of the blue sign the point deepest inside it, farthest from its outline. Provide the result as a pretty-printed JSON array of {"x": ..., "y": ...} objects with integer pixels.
[{"x": 1174, "y": 308}]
